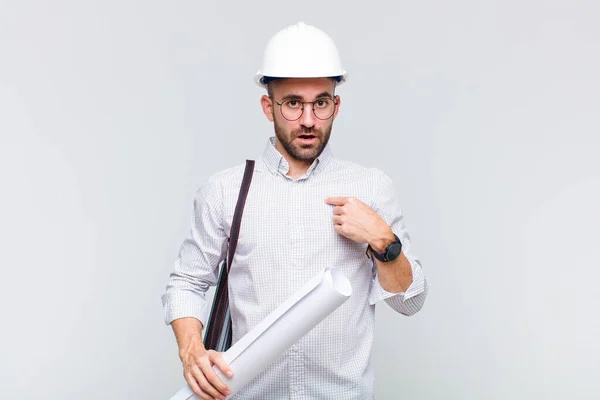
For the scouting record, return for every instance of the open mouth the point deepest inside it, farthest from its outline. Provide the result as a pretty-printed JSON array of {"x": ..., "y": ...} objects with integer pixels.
[{"x": 307, "y": 138}]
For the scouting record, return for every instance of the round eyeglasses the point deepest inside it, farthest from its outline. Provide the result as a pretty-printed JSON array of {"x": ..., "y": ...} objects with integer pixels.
[{"x": 292, "y": 110}]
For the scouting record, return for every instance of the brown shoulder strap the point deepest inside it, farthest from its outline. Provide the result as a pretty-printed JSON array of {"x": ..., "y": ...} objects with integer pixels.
[{"x": 239, "y": 210}]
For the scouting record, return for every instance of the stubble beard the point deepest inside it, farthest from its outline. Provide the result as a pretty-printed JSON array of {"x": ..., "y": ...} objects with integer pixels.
[{"x": 304, "y": 153}]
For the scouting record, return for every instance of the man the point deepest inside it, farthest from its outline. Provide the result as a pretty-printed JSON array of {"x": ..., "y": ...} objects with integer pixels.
[{"x": 306, "y": 210}]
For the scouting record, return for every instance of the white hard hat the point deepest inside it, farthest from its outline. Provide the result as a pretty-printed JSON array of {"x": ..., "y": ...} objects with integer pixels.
[{"x": 301, "y": 51}]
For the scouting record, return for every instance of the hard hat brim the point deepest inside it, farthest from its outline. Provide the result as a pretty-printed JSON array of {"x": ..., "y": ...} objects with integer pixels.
[{"x": 262, "y": 80}]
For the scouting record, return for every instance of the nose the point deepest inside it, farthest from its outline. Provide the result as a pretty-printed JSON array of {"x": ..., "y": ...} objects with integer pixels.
[{"x": 308, "y": 117}]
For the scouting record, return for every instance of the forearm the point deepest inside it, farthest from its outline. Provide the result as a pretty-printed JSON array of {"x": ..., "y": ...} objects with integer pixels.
[
  {"x": 187, "y": 331},
  {"x": 401, "y": 282},
  {"x": 395, "y": 276},
  {"x": 405, "y": 292}
]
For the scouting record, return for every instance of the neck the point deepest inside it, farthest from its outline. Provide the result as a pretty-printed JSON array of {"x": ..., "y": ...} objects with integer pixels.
[{"x": 297, "y": 168}]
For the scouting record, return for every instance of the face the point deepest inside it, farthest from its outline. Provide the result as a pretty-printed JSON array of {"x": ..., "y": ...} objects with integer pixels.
[{"x": 304, "y": 139}]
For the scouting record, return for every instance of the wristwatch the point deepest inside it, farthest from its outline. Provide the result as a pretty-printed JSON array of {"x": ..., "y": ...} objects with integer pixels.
[{"x": 391, "y": 252}]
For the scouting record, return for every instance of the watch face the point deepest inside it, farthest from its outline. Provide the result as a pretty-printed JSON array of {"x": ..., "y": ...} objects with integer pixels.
[{"x": 394, "y": 251}]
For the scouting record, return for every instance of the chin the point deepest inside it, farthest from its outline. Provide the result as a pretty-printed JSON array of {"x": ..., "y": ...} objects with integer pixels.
[{"x": 308, "y": 157}]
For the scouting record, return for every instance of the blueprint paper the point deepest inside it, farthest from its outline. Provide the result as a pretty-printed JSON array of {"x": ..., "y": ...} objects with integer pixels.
[{"x": 283, "y": 327}]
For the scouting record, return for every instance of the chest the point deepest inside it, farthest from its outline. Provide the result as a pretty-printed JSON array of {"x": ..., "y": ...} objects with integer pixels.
[
  {"x": 297, "y": 209},
  {"x": 287, "y": 235}
]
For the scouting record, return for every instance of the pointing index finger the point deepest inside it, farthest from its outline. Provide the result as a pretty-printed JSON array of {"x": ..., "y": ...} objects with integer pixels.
[{"x": 335, "y": 201}]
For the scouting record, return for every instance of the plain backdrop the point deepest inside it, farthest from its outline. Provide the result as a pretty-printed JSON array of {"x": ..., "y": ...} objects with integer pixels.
[{"x": 485, "y": 114}]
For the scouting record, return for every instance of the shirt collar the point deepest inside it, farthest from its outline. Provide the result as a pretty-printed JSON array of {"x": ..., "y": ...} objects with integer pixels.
[{"x": 276, "y": 162}]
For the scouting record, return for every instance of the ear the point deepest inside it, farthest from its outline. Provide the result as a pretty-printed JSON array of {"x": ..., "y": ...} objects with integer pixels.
[
  {"x": 267, "y": 105},
  {"x": 338, "y": 100}
]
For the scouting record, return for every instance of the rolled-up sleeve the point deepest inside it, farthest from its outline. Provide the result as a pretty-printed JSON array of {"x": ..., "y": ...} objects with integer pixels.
[
  {"x": 386, "y": 205},
  {"x": 197, "y": 265}
]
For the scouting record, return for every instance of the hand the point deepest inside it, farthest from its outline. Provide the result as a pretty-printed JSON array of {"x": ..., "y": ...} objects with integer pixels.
[
  {"x": 358, "y": 222},
  {"x": 199, "y": 374}
]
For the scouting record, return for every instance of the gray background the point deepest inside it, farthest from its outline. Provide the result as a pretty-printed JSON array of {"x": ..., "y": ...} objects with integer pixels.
[{"x": 485, "y": 114}]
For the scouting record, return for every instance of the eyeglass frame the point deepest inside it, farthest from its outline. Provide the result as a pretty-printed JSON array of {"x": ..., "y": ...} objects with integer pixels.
[{"x": 335, "y": 104}]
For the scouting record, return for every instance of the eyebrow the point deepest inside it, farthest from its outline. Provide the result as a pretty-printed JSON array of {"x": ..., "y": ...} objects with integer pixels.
[{"x": 298, "y": 97}]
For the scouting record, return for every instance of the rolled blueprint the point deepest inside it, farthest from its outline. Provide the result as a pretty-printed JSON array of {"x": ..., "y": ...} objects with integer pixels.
[{"x": 283, "y": 327}]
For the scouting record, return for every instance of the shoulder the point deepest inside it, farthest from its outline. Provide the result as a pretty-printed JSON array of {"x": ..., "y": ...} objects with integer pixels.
[
  {"x": 228, "y": 176},
  {"x": 220, "y": 181}
]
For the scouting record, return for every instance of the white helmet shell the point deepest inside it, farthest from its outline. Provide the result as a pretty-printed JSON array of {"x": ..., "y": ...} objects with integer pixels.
[{"x": 301, "y": 51}]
